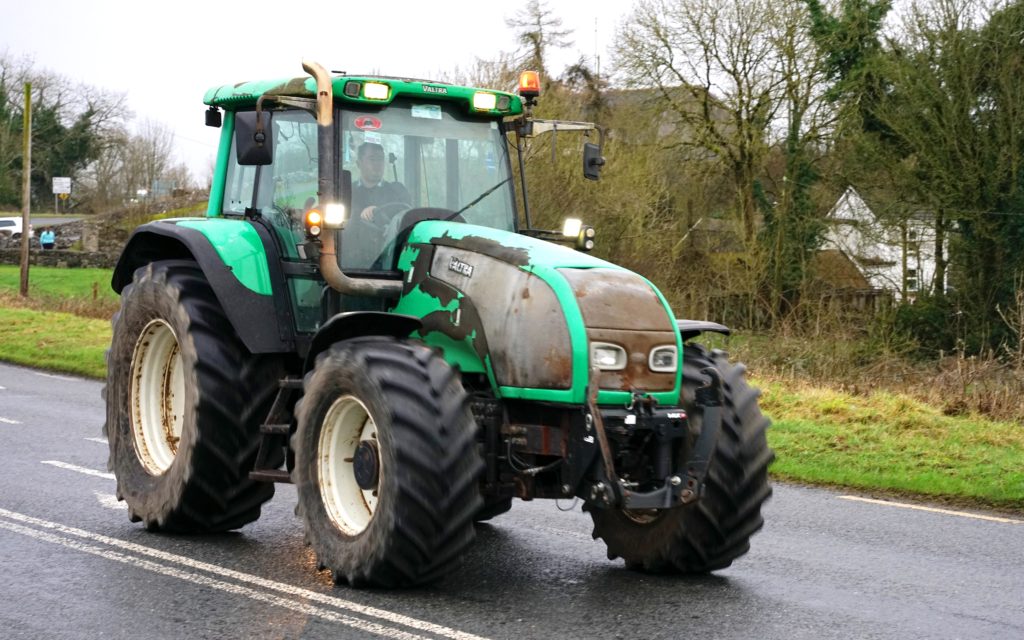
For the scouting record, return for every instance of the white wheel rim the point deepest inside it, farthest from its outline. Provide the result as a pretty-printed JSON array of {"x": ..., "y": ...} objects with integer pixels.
[
  {"x": 157, "y": 396},
  {"x": 346, "y": 424}
]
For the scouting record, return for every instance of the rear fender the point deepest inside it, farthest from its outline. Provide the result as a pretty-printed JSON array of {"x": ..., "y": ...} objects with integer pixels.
[{"x": 262, "y": 322}]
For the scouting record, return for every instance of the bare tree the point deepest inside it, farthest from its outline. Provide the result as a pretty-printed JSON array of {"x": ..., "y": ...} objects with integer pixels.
[
  {"x": 149, "y": 153},
  {"x": 714, "y": 65},
  {"x": 538, "y": 31}
]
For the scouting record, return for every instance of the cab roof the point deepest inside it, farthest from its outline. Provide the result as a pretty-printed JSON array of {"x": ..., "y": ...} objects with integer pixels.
[{"x": 350, "y": 89}]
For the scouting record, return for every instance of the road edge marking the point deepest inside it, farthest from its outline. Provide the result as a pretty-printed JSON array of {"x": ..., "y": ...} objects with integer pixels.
[
  {"x": 948, "y": 512},
  {"x": 315, "y": 596},
  {"x": 206, "y": 581}
]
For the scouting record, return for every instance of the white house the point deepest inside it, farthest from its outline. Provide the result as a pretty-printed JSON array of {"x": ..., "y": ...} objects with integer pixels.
[{"x": 892, "y": 256}]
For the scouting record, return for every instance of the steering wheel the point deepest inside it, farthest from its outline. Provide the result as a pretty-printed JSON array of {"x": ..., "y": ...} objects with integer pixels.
[
  {"x": 401, "y": 224},
  {"x": 383, "y": 216}
]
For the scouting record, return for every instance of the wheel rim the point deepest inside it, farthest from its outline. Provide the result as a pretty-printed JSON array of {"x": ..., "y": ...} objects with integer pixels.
[
  {"x": 157, "y": 397},
  {"x": 349, "y": 506}
]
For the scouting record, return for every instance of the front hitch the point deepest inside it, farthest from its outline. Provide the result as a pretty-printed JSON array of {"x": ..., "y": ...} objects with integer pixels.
[{"x": 685, "y": 484}]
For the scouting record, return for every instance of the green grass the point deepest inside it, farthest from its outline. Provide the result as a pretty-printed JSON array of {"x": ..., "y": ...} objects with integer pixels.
[
  {"x": 57, "y": 283},
  {"x": 891, "y": 442},
  {"x": 54, "y": 341}
]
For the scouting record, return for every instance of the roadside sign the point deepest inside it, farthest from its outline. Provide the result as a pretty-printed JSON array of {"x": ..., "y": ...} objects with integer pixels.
[{"x": 61, "y": 185}]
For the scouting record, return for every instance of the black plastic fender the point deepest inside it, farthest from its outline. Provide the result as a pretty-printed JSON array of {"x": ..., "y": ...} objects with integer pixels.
[
  {"x": 351, "y": 324},
  {"x": 693, "y": 328},
  {"x": 263, "y": 323}
]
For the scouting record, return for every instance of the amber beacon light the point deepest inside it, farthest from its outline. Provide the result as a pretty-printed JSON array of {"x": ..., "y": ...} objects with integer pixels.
[{"x": 529, "y": 84}]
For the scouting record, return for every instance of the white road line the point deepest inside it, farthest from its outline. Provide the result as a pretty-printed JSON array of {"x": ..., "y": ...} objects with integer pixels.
[
  {"x": 305, "y": 594},
  {"x": 363, "y": 625},
  {"x": 99, "y": 440},
  {"x": 917, "y": 507},
  {"x": 2, "y": 387},
  {"x": 55, "y": 377},
  {"x": 9, "y": 421},
  {"x": 72, "y": 467},
  {"x": 109, "y": 501}
]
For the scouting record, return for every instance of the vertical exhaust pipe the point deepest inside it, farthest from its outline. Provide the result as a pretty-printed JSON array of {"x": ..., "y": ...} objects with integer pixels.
[{"x": 329, "y": 266}]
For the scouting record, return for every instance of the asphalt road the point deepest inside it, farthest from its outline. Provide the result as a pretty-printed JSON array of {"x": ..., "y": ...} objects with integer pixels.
[{"x": 827, "y": 565}]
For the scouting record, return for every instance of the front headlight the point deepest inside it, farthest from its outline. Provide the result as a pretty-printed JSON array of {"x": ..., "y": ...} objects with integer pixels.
[
  {"x": 607, "y": 356},
  {"x": 663, "y": 359}
]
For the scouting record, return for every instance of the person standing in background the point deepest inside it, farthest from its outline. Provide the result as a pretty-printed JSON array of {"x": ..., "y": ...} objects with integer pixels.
[{"x": 47, "y": 238}]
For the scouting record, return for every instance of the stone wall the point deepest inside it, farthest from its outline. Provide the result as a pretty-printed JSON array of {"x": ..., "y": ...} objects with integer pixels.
[{"x": 61, "y": 258}]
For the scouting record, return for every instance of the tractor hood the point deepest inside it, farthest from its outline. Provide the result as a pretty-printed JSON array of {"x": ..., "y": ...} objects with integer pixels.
[{"x": 526, "y": 313}]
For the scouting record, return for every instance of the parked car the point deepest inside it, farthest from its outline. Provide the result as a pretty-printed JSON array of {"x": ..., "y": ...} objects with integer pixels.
[{"x": 11, "y": 229}]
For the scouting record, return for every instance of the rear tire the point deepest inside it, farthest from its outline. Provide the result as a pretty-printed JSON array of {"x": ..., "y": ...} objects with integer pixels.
[
  {"x": 184, "y": 403},
  {"x": 714, "y": 531},
  {"x": 386, "y": 463}
]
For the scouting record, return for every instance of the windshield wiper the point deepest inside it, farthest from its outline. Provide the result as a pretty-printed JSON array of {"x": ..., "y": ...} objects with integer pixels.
[{"x": 477, "y": 200}]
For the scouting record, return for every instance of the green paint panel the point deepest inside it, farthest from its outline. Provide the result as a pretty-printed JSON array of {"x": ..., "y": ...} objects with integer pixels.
[
  {"x": 420, "y": 303},
  {"x": 458, "y": 353},
  {"x": 540, "y": 252},
  {"x": 238, "y": 246},
  {"x": 407, "y": 258}
]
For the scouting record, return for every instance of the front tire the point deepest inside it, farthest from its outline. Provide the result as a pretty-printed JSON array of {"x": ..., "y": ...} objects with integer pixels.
[
  {"x": 184, "y": 402},
  {"x": 386, "y": 463},
  {"x": 711, "y": 533}
]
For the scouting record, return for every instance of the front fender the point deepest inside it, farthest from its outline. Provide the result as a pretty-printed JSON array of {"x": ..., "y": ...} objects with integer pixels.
[{"x": 353, "y": 324}]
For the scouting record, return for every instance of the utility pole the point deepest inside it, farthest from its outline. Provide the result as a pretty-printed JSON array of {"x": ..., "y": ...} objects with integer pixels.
[{"x": 26, "y": 187}]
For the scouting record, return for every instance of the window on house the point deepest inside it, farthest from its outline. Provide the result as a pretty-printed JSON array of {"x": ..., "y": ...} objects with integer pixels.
[{"x": 911, "y": 279}]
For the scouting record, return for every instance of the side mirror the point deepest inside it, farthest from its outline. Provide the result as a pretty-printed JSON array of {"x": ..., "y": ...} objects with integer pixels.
[
  {"x": 253, "y": 147},
  {"x": 213, "y": 117},
  {"x": 592, "y": 161}
]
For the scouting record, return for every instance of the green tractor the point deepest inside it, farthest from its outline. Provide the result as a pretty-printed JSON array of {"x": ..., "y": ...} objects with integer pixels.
[{"x": 364, "y": 313}]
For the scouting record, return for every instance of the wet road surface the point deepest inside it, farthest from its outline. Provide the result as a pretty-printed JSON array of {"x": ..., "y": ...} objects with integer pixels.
[{"x": 827, "y": 565}]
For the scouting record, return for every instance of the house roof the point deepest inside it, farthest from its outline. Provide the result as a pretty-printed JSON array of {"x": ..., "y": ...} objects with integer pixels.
[{"x": 835, "y": 268}]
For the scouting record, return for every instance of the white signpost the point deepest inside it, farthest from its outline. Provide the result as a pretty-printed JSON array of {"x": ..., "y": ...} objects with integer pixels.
[{"x": 61, "y": 189}]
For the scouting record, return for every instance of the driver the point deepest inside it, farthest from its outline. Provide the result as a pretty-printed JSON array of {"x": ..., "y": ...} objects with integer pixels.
[{"x": 371, "y": 191}]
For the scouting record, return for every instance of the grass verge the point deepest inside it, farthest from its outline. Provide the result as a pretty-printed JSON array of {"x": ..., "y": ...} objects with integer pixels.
[
  {"x": 894, "y": 443},
  {"x": 82, "y": 292},
  {"x": 55, "y": 341}
]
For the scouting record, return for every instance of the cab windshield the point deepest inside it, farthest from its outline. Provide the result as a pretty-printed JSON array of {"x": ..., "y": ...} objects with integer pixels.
[
  {"x": 419, "y": 161},
  {"x": 412, "y": 160}
]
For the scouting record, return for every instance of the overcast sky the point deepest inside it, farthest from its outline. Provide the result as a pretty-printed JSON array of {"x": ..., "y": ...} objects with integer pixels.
[{"x": 164, "y": 55}]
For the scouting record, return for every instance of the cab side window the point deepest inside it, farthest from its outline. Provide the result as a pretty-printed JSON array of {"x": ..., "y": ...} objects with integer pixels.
[{"x": 238, "y": 185}]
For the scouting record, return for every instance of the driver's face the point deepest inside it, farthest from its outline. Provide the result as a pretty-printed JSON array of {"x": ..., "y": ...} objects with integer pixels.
[{"x": 371, "y": 167}]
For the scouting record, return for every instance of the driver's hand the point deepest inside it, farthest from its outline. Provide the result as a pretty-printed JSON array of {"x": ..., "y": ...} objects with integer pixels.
[{"x": 367, "y": 213}]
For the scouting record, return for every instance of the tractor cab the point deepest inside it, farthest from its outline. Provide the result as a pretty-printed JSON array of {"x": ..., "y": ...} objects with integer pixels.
[{"x": 342, "y": 177}]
